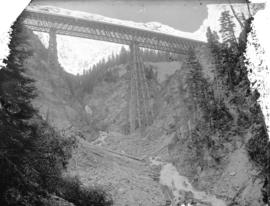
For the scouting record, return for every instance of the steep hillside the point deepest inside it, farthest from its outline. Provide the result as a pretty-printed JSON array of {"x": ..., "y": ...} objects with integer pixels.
[
  {"x": 166, "y": 162},
  {"x": 220, "y": 175},
  {"x": 221, "y": 167}
]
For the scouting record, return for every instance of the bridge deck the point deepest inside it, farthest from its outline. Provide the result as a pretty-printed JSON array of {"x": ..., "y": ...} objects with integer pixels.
[{"x": 98, "y": 30}]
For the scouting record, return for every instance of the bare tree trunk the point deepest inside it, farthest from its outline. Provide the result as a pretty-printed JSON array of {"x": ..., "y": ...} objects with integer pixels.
[
  {"x": 249, "y": 12},
  {"x": 235, "y": 15}
]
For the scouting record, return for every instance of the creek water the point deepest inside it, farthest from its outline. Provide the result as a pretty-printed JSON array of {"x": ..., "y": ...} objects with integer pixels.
[{"x": 170, "y": 177}]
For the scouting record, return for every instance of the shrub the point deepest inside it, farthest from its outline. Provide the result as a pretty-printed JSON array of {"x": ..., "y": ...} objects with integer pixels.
[
  {"x": 38, "y": 169},
  {"x": 72, "y": 190},
  {"x": 258, "y": 148},
  {"x": 110, "y": 76},
  {"x": 221, "y": 117},
  {"x": 51, "y": 155},
  {"x": 149, "y": 73}
]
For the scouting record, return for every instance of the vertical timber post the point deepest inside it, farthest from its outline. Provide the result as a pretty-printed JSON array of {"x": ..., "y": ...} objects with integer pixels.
[
  {"x": 132, "y": 91},
  {"x": 140, "y": 112},
  {"x": 52, "y": 49}
]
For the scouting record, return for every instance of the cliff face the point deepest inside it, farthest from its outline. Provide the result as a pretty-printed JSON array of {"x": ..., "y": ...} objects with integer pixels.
[
  {"x": 55, "y": 101},
  {"x": 135, "y": 168}
]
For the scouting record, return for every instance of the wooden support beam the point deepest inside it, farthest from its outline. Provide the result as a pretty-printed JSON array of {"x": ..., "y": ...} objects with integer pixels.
[
  {"x": 52, "y": 49},
  {"x": 140, "y": 114}
]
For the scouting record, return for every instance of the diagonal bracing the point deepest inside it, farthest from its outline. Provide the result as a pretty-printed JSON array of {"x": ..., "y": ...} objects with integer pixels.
[{"x": 140, "y": 110}]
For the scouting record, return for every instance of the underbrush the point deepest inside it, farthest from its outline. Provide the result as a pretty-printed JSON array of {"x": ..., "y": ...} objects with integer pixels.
[
  {"x": 258, "y": 148},
  {"x": 73, "y": 191},
  {"x": 32, "y": 174}
]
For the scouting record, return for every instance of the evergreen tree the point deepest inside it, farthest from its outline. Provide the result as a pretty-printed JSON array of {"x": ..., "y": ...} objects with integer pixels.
[
  {"x": 214, "y": 47},
  {"x": 198, "y": 86},
  {"x": 212, "y": 38},
  {"x": 225, "y": 54},
  {"x": 194, "y": 76},
  {"x": 16, "y": 93},
  {"x": 32, "y": 155},
  {"x": 227, "y": 28}
]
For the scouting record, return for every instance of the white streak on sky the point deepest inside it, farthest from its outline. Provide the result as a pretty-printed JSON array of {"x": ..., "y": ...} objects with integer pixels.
[{"x": 9, "y": 11}]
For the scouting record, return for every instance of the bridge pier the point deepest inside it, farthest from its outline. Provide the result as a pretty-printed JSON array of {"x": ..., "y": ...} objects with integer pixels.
[
  {"x": 140, "y": 112},
  {"x": 52, "y": 49}
]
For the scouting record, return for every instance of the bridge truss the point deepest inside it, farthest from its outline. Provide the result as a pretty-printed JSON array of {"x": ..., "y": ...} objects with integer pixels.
[{"x": 84, "y": 28}]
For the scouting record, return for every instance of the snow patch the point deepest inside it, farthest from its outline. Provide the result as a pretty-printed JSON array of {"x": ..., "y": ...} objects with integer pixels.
[
  {"x": 150, "y": 26},
  {"x": 79, "y": 54}
]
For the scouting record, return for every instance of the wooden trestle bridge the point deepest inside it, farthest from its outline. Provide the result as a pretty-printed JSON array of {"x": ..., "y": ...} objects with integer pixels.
[{"x": 140, "y": 110}]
